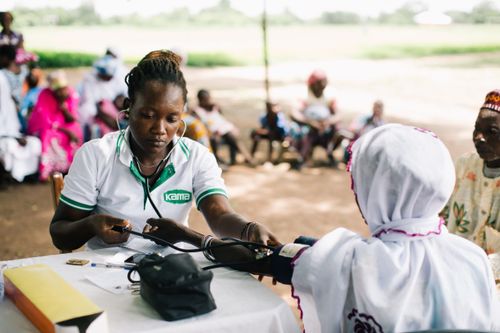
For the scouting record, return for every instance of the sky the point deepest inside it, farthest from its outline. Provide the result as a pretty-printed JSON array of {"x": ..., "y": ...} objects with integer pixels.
[{"x": 303, "y": 8}]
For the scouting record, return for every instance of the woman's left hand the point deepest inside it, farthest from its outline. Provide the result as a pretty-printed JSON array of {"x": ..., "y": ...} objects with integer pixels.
[
  {"x": 166, "y": 229},
  {"x": 259, "y": 233}
]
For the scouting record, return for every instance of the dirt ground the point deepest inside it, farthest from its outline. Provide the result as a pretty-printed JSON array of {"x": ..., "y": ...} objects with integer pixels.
[{"x": 427, "y": 93}]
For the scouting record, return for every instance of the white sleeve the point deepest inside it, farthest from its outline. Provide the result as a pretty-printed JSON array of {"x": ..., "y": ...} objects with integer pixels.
[
  {"x": 207, "y": 179},
  {"x": 80, "y": 185}
]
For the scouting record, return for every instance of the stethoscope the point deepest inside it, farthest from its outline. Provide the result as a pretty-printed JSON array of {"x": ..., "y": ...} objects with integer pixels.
[{"x": 137, "y": 162}]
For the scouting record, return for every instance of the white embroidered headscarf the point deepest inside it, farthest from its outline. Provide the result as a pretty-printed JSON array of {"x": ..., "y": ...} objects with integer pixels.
[{"x": 411, "y": 274}]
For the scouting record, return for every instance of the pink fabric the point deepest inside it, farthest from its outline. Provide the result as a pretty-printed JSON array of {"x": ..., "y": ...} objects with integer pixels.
[
  {"x": 412, "y": 234},
  {"x": 294, "y": 294},
  {"x": 45, "y": 122},
  {"x": 110, "y": 109}
]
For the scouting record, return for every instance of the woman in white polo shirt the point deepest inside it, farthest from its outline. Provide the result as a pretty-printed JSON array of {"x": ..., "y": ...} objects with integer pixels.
[{"x": 145, "y": 171}]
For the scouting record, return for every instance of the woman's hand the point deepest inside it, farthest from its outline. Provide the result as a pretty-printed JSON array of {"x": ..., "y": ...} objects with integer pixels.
[
  {"x": 258, "y": 233},
  {"x": 102, "y": 224},
  {"x": 68, "y": 117},
  {"x": 22, "y": 141},
  {"x": 72, "y": 137},
  {"x": 166, "y": 229}
]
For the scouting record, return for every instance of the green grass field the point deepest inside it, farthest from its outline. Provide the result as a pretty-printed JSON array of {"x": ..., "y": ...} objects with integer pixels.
[{"x": 286, "y": 43}]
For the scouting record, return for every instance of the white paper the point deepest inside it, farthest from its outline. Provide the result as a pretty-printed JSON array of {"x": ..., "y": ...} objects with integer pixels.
[
  {"x": 146, "y": 246},
  {"x": 113, "y": 280},
  {"x": 120, "y": 257}
]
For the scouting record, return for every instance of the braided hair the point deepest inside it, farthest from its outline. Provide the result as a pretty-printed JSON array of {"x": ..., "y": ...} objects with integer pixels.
[{"x": 160, "y": 65}]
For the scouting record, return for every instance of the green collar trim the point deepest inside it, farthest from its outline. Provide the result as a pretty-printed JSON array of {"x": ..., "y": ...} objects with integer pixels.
[
  {"x": 166, "y": 174},
  {"x": 136, "y": 173},
  {"x": 184, "y": 148},
  {"x": 119, "y": 142}
]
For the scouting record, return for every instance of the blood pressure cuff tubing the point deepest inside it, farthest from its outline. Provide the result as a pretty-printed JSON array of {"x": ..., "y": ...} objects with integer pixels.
[
  {"x": 175, "y": 286},
  {"x": 282, "y": 257}
]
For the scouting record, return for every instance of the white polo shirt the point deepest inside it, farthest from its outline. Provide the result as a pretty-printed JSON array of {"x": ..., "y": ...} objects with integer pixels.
[{"x": 103, "y": 179}]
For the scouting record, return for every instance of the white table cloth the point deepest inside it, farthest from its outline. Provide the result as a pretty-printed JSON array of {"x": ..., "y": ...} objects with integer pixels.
[{"x": 243, "y": 303}]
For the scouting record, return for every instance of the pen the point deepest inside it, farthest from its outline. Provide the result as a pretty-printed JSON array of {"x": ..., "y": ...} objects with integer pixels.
[{"x": 104, "y": 265}]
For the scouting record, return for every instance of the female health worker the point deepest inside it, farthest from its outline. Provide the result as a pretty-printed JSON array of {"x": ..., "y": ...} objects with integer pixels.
[{"x": 146, "y": 171}]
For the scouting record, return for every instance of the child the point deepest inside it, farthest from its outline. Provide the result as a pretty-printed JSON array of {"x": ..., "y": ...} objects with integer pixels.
[
  {"x": 273, "y": 127},
  {"x": 220, "y": 128},
  {"x": 367, "y": 123},
  {"x": 28, "y": 102},
  {"x": 363, "y": 125},
  {"x": 475, "y": 203}
]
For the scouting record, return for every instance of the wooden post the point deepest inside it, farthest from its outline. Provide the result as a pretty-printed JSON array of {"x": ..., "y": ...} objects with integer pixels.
[{"x": 266, "y": 59}]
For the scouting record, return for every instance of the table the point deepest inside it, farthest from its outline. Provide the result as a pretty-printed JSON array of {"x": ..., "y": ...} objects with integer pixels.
[{"x": 243, "y": 303}]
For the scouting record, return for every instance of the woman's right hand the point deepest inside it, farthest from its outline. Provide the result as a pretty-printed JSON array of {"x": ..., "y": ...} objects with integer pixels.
[
  {"x": 71, "y": 136},
  {"x": 102, "y": 225},
  {"x": 68, "y": 117}
]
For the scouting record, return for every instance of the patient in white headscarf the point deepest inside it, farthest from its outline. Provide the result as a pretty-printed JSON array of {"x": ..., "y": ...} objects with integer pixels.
[{"x": 411, "y": 274}]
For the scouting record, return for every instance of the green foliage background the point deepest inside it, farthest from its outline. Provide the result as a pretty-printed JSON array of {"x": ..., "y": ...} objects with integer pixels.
[{"x": 223, "y": 14}]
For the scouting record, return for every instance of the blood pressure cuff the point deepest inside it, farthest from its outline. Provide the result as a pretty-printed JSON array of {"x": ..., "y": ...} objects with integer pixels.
[
  {"x": 175, "y": 286},
  {"x": 281, "y": 261}
]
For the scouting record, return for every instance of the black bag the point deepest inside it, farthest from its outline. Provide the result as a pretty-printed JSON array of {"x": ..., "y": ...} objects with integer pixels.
[{"x": 175, "y": 286}]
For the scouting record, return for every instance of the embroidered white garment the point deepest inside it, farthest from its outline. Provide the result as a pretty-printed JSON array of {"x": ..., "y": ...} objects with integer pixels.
[
  {"x": 19, "y": 160},
  {"x": 411, "y": 274}
]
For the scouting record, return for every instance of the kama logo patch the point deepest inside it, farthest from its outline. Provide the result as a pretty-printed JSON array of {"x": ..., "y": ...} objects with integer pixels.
[{"x": 177, "y": 196}]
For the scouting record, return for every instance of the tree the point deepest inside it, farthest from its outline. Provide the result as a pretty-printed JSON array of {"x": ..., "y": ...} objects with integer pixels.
[
  {"x": 403, "y": 15},
  {"x": 485, "y": 12},
  {"x": 340, "y": 18}
]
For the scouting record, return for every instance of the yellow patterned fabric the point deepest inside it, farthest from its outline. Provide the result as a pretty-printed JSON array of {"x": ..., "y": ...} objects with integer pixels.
[
  {"x": 196, "y": 130},
  {"x": 475, "y": 202}
]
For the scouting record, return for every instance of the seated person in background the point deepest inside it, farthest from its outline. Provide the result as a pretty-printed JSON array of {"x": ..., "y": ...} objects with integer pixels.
[
  {"x": 19, "y": 154},
  {"x": 273, "y": 127},
  {"x": 146, "y": 170},
  {"x": 98, "y": 91},
  {"x": 108, "y": 112},
  {"x": 55, "y": 121},
  {"x": 318, "y": 119},
  {"x": 121, "y": 69},
  {"x": 475, "y": 203},
  {"x": 195, "y": 129},
  {"x": 15, "y": 74},
  {"x": 220, "y": 128},
  {"x": 410, "y": 275},
  {"x": 364, "y": 124},
  {"x": 7, "y": 35},
  {"x": 16, "y": 40}
]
